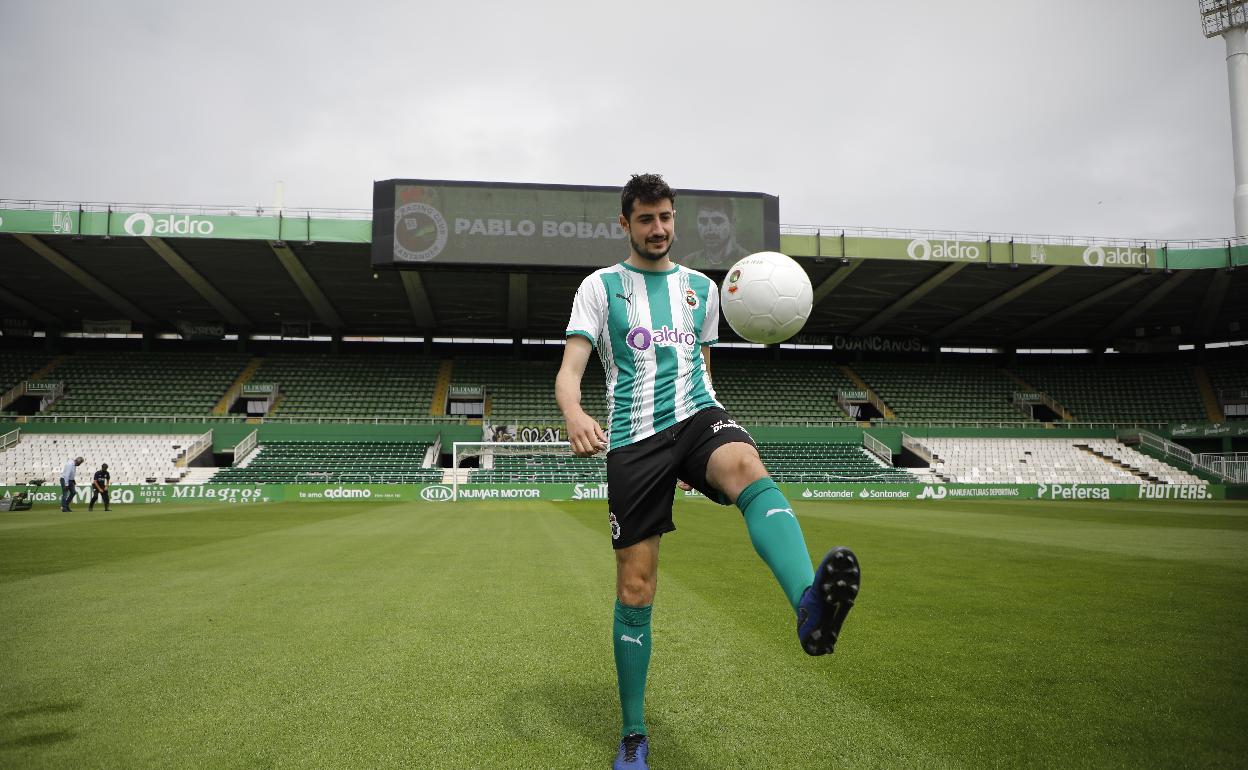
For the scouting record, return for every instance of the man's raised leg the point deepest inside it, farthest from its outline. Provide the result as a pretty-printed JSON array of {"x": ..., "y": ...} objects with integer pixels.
[{"x": 821, "y": 598}]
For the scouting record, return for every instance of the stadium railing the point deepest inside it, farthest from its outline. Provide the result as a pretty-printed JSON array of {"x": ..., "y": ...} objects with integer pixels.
[
  {"x": 916, "y": 446},
  {"x": 245, "y": 447},
  {"x": 1174, "y": 452},
  {"x": 1234, "y": 465},
  {"x": 877, "y": 448}
]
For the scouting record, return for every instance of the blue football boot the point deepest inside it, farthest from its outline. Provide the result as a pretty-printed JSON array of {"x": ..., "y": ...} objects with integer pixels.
[
  {"x": 827, "y": 601},
  {"x": 633, "y": 751}
]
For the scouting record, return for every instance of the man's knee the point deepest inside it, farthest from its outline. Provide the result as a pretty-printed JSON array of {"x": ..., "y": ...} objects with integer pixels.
[
  {"x": 635, "y": 590},
  {"x": 733, "y": 467}
]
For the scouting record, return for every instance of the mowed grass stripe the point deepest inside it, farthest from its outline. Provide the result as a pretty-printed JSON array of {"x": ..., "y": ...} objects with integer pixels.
[
  {"x": 1001, "y": 650},
  {"x": 1106, "y": 528},
  {"x": 729, "y": 685},
  {"x": 362, "y": 641},
  {"x": 475, "y": 635}
]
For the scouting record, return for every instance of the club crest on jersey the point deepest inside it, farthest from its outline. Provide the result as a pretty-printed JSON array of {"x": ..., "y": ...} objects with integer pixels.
[
  {"x": 691, "y": 299},
  {"x": 615, "y": 528},
  {"x": 736, "y": 276}
]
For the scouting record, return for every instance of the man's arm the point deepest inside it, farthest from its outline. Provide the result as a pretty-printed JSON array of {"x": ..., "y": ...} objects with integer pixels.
[
  {"x": 706, "y": 359},
  {"x": 584, "y": 432}
]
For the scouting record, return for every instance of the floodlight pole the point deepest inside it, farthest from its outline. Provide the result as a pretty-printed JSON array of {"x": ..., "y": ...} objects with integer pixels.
[
  {"x": 1237, "y": 76},
  {"x": 1229, "y": 18}
]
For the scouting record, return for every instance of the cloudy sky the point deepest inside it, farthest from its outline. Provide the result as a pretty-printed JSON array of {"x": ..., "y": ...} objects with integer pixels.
[{"x": 1083, "y": 117}]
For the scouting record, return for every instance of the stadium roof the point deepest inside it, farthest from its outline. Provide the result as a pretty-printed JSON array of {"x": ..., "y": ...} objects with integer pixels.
[{"x": 251, "y": 270}]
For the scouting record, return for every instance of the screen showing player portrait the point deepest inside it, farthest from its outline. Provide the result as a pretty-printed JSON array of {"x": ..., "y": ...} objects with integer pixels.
[{"x": 419, "y": 223}]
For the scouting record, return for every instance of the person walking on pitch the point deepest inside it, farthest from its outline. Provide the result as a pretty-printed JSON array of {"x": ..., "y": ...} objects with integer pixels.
[
  {"x": 68, "y": 485},
  {"x": 653, "y": 323}
]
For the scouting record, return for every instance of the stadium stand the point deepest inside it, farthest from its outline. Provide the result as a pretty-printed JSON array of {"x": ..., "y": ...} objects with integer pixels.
[
  {"x": 806, "y": 462},
  {"x": 536, "y": 468},
  {"x": 15, "y": 367},
  {"x": 143, "y": 383},
  {"x": 350, "y": 385},
  {"x": 944, "y": 392},
  {"x": 772, "y": 392},
  {"x": 131, "y": 458},
  {"x": 1047, "y": 461},
  {"x": 1228, "y": 375},
  {"x": 520, "y": 391},
  {"x": 1116, "y": 392},
  {"x": 797, "y": 462},
  {"x": 294, "y": 462}
]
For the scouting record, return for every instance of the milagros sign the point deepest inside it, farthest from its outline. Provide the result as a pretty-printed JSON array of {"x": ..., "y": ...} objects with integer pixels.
[{"x": 428, "y": 222}]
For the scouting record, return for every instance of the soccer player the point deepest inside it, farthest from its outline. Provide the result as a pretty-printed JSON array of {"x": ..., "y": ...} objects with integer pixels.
[
  {"x": 68, "y": 485},
  {"x": 99, "y": 486},
  {"x": 652, "y": 323}
]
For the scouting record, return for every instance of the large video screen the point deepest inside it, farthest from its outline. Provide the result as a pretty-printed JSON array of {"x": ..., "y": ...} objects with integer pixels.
[{"x": 423, "y": 223}]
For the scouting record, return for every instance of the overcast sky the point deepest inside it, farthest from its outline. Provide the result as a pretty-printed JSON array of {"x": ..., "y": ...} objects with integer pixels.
[{"x": 1083, "y": 117}]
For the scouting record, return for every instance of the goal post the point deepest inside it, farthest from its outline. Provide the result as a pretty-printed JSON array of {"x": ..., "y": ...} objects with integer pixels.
[{"x": 496, "y": 461}]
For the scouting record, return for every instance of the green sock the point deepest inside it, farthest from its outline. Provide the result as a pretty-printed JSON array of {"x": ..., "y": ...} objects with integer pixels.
[
  {"x": 632, "y": 660},
  {"x": 777, "y": 537}
]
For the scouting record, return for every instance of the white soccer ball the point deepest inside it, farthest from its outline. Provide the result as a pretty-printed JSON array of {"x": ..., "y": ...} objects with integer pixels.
[{"x": 766, "y": 297}]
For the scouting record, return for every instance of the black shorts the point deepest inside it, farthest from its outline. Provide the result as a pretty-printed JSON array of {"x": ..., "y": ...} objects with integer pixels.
[{"x": 641, "y": 477}]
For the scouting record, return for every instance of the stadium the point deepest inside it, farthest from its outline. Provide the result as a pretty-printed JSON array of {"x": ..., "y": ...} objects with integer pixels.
[{"x": 300, "y": 435}]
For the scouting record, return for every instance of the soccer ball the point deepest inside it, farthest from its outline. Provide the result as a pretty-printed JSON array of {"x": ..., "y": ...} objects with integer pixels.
[{"x": 766, "y": 297}]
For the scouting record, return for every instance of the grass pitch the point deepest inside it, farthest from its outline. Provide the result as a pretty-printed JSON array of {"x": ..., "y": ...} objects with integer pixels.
[{"x": 474, "y": 635}]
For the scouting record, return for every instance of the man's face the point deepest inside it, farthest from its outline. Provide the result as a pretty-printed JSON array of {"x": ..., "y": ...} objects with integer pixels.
[
  {"x": 650, "y": 229},
  {"x": 714, "y": 228}
]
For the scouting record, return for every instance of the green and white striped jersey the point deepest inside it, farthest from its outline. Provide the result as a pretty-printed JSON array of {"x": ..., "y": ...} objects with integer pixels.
[{"x": 649, "y": 329}]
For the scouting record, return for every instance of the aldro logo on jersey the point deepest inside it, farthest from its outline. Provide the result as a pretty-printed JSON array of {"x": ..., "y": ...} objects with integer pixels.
[{"x": 641, "y": 338}]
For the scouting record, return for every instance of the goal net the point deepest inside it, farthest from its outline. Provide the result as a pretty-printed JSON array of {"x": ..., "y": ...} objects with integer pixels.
[{"x": 522, "y": 462}]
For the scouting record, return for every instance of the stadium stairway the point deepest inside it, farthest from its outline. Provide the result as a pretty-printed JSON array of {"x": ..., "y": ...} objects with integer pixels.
[
  {"x": 1026, "y": 386},
  {"x": 42, "y": 372},
  {"x": 198, "y": 475},
  {"x": 1106, "y": 456},
  {"x": 224, "y": 404},
  {"x": 861, "y": 384},
  {"x": 1207, "y": 394},
  {"x": 942, "y": 392},
  {"x": 442, "y": 388}
]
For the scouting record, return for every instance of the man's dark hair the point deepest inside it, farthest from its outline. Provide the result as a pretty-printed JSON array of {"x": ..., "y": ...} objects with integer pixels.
[{"x": 647, "y": 188}]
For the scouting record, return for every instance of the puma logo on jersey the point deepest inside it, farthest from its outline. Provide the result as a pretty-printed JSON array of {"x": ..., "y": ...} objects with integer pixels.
[
  {"x": 628, "y": 299},
  {"x": 774, "y": 511},
  {"x": 627, "y": 638}
]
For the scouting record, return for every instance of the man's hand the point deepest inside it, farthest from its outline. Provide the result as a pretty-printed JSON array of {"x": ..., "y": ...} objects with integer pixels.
[
  {"x": 585, "y": 435},
  {"x": 684, "y": 485}
]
